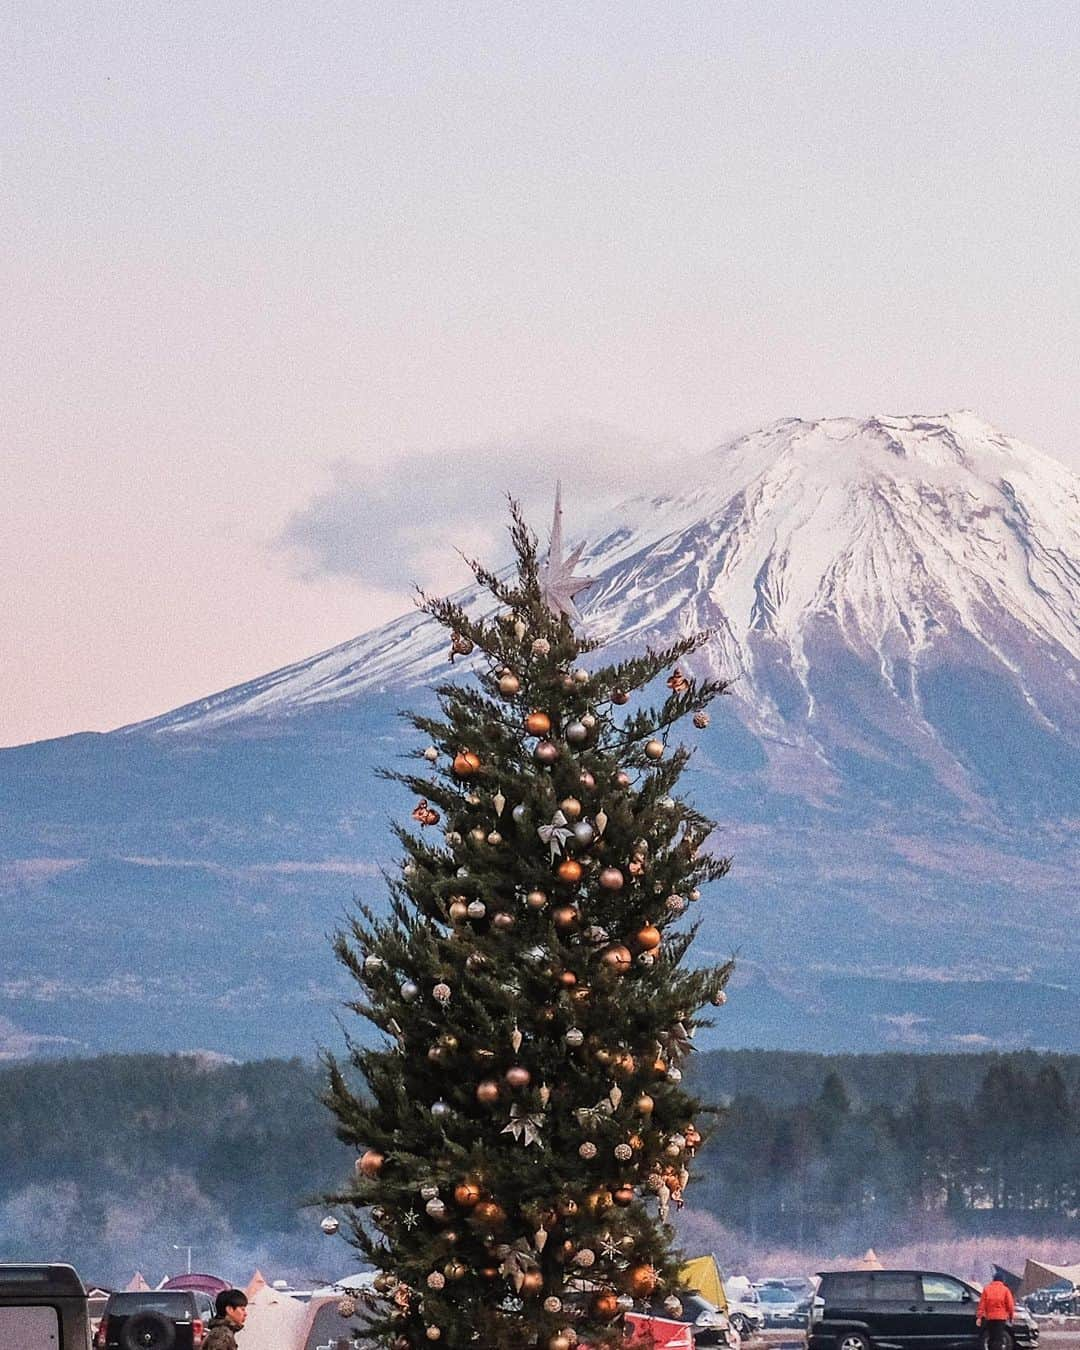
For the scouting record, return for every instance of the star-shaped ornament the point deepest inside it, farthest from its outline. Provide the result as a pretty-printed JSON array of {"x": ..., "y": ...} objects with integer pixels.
[{"x": 558, "y": 585}]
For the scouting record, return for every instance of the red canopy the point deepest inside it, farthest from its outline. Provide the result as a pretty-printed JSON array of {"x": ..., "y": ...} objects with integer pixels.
[{"x": 658, "y": 1333}]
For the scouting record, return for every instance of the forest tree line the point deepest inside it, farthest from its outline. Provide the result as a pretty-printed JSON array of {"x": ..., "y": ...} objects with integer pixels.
[{"x": 112, "y": 1162}]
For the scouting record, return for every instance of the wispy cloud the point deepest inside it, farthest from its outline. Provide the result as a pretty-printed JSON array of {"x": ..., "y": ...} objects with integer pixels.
[{"x": 394, "y": 524}]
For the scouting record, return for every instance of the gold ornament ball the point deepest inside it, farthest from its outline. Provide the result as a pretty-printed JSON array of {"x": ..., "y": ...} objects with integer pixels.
[
  {"x": 466, "y": 763},
  {"x": 503, "y": 921},
  {"x": 433, "y": 1333},
  {"x": 490, "y": 1213},
  {"x": 467, "y": 1193},
  {"x": 641, "y": 1281},
  {"x": 564, "y": 916},
  {"x": 617, "y": 958},
  {"x": 644, "y": 1105},
  {"x": 612, "y": 879},
  {"x": 538, "y": 724},
  {"x": 569, "y": 870},
  {"x": 487, "y": 1091},
  {"x": 567, "y": 979},
  {"x": 654, "y": 749},
  {"x": 570, "y": 807},
  {"x": 605, "y": 1305},
  {"x": 370, "y": 1164},
  {"x": 536, "y": 899},
  {"x": 532, "y": 1283},
  {"x": 623, "y": 1195},
  {"x": 455, "y": 1270},
  {"x": 560, "y": 1341},
  {"x": 509, "y": 684},
  {"x": 518, "y": 1076},
  {"x": 648, "y": 938}
]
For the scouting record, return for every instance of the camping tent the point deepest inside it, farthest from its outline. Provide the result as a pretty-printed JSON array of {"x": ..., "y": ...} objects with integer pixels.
[
  {"x": 703, "y": 1274},
  {"x": 275, "y": 1321},
  {"x": 869, "y": 1260},
  {"x": 1037, "y": 1275}
]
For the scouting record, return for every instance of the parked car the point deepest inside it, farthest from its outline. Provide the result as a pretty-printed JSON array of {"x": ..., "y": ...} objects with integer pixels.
[
  {"x": 153, "y": 1319},
  {"x": 901, "y": 1310},
  {"x": 744, "y": 1307},
  {"x": 43, "y": 1307},
  {"x": 782, "y": 1306}
]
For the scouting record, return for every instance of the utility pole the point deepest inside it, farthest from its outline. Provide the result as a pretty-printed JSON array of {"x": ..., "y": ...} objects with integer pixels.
[{"x": 184, "y": 1247}]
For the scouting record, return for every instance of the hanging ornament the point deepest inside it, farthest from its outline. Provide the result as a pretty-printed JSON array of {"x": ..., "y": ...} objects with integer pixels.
[
  {"x": 587, "y": 1150},
  {"x": 583, "y": 834},
  {"x": 440, "y": 1109},
  {"x": 499, "y": 803},
  {"x": 466, "y": 763},
  {"x": 675, "y": 904},
  {"x": 538, "y": 723},
  {"x": 370, "y": 1163},
  {"x": 455, "y": 1270},
  {"x": 570, "y": 807},
  {"x": 622, "y": 778},
  {"x": 701, "y": 720},
  {"x": 587, "y": 780},
  {"x": 373, "y": 964},
  {"x": 617, "y": 958},
  {"x": 435, "y": 1209},
  {"x": 600, "y": 821},
  {"x": 570, "y": 870},
  {"x": 623, "y": 1152},
  {"x": 467, "y": 1193},
  {"x": 436, "y": 1280},
  {"x": 605, "y": 1305},
  {"x": 431, "y": 754},
  {"x": 516, "y": 1038},
  {"x": 615, "y": 1096},
  {"x": 460, "y": 645},
  {"x": 648, "y": 938},
  {"x": 552, "y": 1304},
  {"x": 494, "y": 838},
  {"x": 677, "y": 682},
  {"x": 641, "y": 1280},
  {"x": 574, "y": 1037},
  {"x": 564, "y": 916},
  {"x": 541, "y": 647},
  {"x": 556, "y": 834},
  {"x": 524, "y": 1125},
  {"x": 612, "y": 879},
  {"x": 536, "y": 899},
  {"x": 576, "y": 732},
  {"x": 457, "y": 910},
  {"x": 330, "y": 1225},
  {"x": 654, "y": 749},
  {"x": 509, "y": 684},
  {"x": 433, "y": 1333},
  {"x": 519, "y": 629},
  {"x": 644, "y": 1105},
  {"x": 620, "y": 696},
  {"x": 347, "y": 1306},
  {"x": 544, "y": 1094},
  {"x": 546, "y": 752},
  {"x": 487, "y": 1091},
  {"x": 408, "y": 990},
  {"x": 719, "y": 998},
  {"x": 441, "y": 993}
]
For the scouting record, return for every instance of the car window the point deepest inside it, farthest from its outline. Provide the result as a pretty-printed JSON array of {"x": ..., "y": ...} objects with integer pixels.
[
  {"x": 894, "y": 1286},
  {"x": 941, "y": 1289},
  {"x": 851, "y": 1287}
]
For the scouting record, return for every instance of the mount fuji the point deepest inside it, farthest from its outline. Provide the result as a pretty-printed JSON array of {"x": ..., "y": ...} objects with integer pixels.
[{"x": 897, "y": 771}]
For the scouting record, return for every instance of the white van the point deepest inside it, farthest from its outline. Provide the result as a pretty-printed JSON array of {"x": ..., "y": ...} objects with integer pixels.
[{"x": 43, "y": 1308}]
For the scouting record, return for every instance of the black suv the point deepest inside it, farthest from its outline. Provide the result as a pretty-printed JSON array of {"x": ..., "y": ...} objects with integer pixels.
[
  {"x": 902, "y": 1310},
  {"x": 153, "y": 1319}
]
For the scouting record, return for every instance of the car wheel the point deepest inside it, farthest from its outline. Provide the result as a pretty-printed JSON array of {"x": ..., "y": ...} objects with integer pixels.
[
  {"x": 741, "y": 1325},
  {"x": 852, "y": 1340},
  {"x": 148, "y": 1331}
]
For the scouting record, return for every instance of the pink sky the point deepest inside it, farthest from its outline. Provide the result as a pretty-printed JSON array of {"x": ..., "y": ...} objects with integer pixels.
[{"x": 261, "y": 254}]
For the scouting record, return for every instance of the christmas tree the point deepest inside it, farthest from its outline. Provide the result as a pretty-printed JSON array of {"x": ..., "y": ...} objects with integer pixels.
[{"x": 522, "y": 1124}]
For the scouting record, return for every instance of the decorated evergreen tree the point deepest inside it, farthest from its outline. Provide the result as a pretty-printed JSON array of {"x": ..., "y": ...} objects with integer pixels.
[{"x": 523, "y": 1129}]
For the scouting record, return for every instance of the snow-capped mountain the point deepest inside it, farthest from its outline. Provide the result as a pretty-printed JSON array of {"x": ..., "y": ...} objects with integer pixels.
[
  {"x": 897, "y": 774},
  {"x": 887, "y": 536}
]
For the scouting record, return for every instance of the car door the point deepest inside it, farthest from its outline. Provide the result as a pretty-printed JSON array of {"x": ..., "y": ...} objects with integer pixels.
[
  {"x": 894, "y": 1310},
  {"x": 949, "y": 1309}
]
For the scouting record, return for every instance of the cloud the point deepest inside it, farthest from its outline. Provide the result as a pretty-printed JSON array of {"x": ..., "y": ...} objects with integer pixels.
[{"x": 405, "y": 522}]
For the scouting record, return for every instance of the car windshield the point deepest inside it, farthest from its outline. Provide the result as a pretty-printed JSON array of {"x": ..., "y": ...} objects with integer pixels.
[
  {"x": 775, "y": 1293},
  {"x": 175, "y": 1305}
]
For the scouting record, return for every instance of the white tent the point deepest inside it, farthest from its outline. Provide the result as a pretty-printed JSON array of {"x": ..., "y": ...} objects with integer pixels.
[
  {"x": 1037, "y": 1275},
  {"x": 275, "y": 1321}
]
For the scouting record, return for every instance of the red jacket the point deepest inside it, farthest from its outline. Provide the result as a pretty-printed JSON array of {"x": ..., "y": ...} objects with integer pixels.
[{"x": 996, "y": 1304}]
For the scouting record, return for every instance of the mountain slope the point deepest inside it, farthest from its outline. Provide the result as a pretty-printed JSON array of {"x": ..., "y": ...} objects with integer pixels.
[{"x": 897, "y": 773}]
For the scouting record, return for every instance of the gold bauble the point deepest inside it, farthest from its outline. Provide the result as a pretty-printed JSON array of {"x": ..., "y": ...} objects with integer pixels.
[
  {"x": 640, "y": 1281},
  {"x": 538, "y": 724},
  {"x": 644, "y": 1105},
  {"x": 617, "y": 958},
  {"x": 648, "y": 938},
  {"x": 467, "y": 1193},
  {"x": 455, "y": 1270},
  {"x": 370, "y": 1164},
  {"x": 509, "y": 683},
  {"x": 565, "y": 916},
  {"x": 489, "y": 1213},
  {"x": 567, "y": 979},
  {"x": 532, "y": 1282},
  {"x": 536, "y": 899},
  {"x": 596, "y": 1202},
  {"x": 605, "y": 1305},
  {"x": 458, "y": 911},
  {"x": 466, "y": 763},
  {"x": 569, "y": 870},
  {"x": 623, "y": 1195},
  {"x": 570, "y": 807},
  {"x": 654, "y": 749},
  {"x": 487, "y": 1091},
  {"x": 560, "y": 1341}
]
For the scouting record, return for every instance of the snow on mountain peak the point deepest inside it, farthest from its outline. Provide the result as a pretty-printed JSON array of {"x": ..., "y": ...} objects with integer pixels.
[{"x": 893, "y": 529}]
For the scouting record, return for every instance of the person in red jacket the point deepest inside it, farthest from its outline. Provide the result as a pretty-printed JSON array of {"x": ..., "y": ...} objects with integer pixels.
[{"x": 995, "y": 1312}]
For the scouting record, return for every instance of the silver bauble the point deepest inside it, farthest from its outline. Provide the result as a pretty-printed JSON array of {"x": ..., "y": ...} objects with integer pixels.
[
  {"x": 373, "y": 964},
  {"x": 431, "y": 754},
  {"x": 440, "y": 1109},
  {"x": 436, "y": 1209},
  {"x": 429, "y": 1191},
  {"x": 519, "y": 813},
  {"x": 477, "y": 909},
  {"x": 330, "y": 1225},
  {"x": 574, "y": 1037},
  {"x": 584, "y": 834},
  {"x": 576, "y": 732},
  {"x": 409, "y": 990}
]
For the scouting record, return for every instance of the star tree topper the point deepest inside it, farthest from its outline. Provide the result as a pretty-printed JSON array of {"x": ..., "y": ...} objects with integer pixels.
[{"x": 558, "y": 585}]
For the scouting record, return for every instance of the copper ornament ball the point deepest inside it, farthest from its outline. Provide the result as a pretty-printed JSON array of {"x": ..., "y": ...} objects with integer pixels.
[
  {"x": 487, "y": 1091},
  {"x": 648, "y": 938},
  {"x": 503, "y": 921},
  {"x": 490, "y": 1213},
  {"x": 586, "y": 779},
  {"x": 612, "y": 879},
  {"x": 538, "y": 724},
  {"x": 564, "y": 916},
  {"x": 620, "y": 696},
  {"x": 622, "y": 778},
  {"x": 546, "y": 752},
  {"x": 605, "y": 1305},
  {"x": 536, "y": 899},
  {"x": 644, "y": 1105},
  {"x": 466, "y": 763},
  {"x": 570, "y": 807},
  {"x": 467, "y": 1193},
  {"x": 623, "y": 1196},
  {"x": 569, "y": 870},
  {"x": 532, "y": 1282},
  {"x": 518, "y": 1076},
  {"x": 617, "y": 958},
  {"x": 567, "y": 979},
  {"x": 509, "y": 684},
  {"x": 370, "y": 1163},
  {"x": 641, "y": 1280}
]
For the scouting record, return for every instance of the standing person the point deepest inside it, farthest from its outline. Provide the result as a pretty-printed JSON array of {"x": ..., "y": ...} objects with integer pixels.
[
  {"x": 231, "y": 1307},
  {"x": 995, "y": 1312}
]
